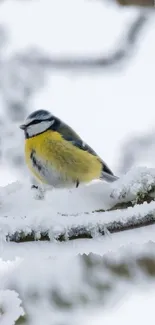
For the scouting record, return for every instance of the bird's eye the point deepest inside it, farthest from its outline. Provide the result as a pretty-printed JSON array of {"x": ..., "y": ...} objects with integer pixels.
[
  {"x": 35, "y": 122},
  {"x": 29, "y": 123}
]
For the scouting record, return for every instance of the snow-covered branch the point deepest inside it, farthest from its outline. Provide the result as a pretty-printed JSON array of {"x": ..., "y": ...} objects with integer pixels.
[
  {"x": 89, "y": 211},
  {"x": 91, "y": 229}
]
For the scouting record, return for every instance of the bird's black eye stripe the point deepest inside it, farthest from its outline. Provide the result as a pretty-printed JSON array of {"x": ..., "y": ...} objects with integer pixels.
[
  {"x": 39, "y": 121},
  {"x": 34, "y": 122}
]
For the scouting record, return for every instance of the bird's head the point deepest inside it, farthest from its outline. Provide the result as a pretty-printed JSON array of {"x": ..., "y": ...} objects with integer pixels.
[{"x": 39, "y": 122}]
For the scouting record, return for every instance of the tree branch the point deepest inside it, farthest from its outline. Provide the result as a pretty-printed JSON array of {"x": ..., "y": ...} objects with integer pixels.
[
  {"x": 129, "y": 204},
  {"x": 99, "y": 228},
  {"x": 81, "y": 232},
  {"x": 101, "y": 61},
  {"x": 143, "y": 3}
]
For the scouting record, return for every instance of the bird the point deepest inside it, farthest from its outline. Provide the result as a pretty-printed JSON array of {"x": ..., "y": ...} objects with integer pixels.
[{"x": 57, "y": 156}]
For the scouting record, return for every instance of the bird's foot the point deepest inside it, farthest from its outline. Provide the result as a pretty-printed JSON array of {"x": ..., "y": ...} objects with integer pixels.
[{"x": 38, "y": 192}]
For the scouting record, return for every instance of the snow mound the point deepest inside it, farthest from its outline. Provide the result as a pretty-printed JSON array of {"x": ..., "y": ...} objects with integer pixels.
[{"x": 140, "y": 179}]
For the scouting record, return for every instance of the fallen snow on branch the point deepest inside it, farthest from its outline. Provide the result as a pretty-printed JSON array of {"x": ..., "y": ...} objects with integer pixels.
[
  {"x": 67, "y": 212},
  {"x": 135, "y": 181},
  {"x": 69, "y": 227}
]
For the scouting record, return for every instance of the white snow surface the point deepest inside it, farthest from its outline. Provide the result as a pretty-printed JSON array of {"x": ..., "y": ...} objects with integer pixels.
[{"x": 139, "y": 302}]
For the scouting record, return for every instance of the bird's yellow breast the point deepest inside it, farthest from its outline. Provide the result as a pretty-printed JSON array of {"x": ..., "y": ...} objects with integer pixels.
[{"x": 62, "y": 156}]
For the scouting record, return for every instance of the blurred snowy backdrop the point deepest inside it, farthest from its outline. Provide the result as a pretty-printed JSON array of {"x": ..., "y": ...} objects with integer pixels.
[{"x": 92, "y": 63}]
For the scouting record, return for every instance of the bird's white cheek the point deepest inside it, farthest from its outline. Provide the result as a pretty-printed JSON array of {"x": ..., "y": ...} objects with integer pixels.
[{"x": 35, "y": 129}]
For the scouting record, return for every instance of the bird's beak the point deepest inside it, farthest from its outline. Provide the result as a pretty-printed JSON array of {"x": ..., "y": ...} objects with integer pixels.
[{"x": 22, "y": 126}]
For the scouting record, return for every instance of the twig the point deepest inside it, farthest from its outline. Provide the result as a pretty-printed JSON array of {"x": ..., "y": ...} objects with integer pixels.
[{"x": 88, "y": 231}]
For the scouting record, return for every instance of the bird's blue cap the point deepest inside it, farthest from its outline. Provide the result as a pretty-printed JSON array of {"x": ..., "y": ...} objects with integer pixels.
[{"x": 39, "y": 115}]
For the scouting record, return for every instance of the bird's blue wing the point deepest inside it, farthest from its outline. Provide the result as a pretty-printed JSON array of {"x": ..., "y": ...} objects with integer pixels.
[
  {"x": 106, "y": 173},
  {"x": 70, "y": 135},
  {"x": 82, "y": 145}
]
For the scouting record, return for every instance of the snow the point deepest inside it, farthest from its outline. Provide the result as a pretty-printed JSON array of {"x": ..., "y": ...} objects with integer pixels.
[
  {"x": 105, "y": 108},
  {"x": 137, "y": 180},
  {"x": 38, "y": 290},
  {"x": 10, "y": 309},
  {"x": 34, "y": 270},
  {"x": 122, "y": 310}
]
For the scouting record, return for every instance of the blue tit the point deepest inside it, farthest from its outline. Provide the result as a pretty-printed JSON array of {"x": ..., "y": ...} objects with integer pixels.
[{"x": 57, "y": 156}]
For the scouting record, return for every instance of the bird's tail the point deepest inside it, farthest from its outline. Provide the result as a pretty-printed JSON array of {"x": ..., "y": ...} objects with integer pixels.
[
  {"x": 107, "y": 174},
  {"x": 108, "y": 177}
]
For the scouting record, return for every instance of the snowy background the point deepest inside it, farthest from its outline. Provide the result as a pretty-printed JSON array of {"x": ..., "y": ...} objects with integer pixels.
[{"x": 92, "y": 64}]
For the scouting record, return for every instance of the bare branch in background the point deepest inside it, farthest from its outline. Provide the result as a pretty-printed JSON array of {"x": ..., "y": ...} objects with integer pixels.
[
  {"x": 139, "y": 147},
  {"x": 18, "y": 85},
  {"x": 3, "y": 37},
  {"x": 143, "y": 3},
  {"x": 122, "y": 53},
  {"x": 146, "y": 3}
]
